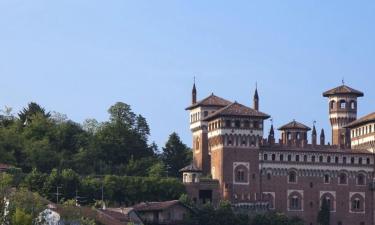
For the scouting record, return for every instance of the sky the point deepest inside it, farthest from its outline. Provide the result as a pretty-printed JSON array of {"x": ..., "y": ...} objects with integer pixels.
[{"x": 79, "y": 57}]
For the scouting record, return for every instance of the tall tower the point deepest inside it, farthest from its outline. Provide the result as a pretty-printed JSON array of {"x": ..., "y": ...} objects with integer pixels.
[
  {"x": 342, "y": 111},
  {"x": 256, "y": 100},
  {"x": 199, "y": 110}
]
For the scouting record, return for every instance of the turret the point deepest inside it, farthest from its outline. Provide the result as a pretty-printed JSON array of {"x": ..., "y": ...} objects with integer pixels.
[
  {"x": 194, "y": 94},
  {"x": 342, "y": 111},
  {"x": 322, "y": 137},
  {"x": 313, "y": 136},
  {"x": 294, "y": 134},
  {"x": 256, "y": 100},
  {"x": 271, "y": 136}
]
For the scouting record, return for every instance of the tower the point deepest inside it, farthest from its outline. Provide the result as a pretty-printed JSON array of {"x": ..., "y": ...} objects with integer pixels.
[
  {"x": 256, "y": 100},
  {"x": 313, "y": 135},
  {"x": 322, "y": 137},
  {"x": 342, "y": 110}
]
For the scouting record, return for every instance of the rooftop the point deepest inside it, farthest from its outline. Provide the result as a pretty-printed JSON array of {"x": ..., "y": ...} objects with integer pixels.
[
  {"x": 155, "y": 206},
  {"x": 239, "y": 110},
  {"x": 211, "y": 100},
  {"x": 363, "y": 120},
  {"x": 295, "y": 125},
  {"x": 343, "y": 89}
]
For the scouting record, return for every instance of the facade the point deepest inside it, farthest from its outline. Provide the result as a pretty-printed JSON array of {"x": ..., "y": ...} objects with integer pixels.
[{"x": 290, "y": 175}]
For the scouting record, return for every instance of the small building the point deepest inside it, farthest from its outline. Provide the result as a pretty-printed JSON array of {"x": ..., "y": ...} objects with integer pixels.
[{"x": 169, "y": 212}]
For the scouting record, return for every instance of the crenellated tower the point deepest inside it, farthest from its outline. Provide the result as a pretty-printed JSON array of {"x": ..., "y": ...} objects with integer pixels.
[{"x": 342, "y": 111}]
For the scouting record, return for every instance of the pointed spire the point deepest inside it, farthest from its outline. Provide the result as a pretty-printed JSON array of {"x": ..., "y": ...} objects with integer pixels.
[
  {"x": 313, "y": 135},
  {"x": 271, "y": 135},
  {"x": 322, "y": 137},
  {"x": 256, "y": 98},
  {"x": 194, "y": 93}
]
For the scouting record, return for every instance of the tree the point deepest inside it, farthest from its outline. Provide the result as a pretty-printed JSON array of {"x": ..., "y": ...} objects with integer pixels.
[
  {"x": 122, "y": 113},
  {"x": 324, "y": 213},
  {"x": 20, "y": 217},
  {"x": 142, "y": 127},
  {"x": 176, "y": 155},
  {"x": 31, "y": 110}
]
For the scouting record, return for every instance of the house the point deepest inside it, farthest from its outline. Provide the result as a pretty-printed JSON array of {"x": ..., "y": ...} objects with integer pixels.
[{"x": 169, "y": 212}]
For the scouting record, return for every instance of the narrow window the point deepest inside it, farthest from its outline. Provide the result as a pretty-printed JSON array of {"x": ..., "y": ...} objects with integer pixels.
[
  {"x": 289, "y": 158},
  {"x": 297, "y": 158},
  {"x": 265, "y": 157},
  {"x": 326, "y": 179},
  {"x": 292, "y": 177},
  {"x": 281, "y": 157},
  {"x": 273, "y": 157}
]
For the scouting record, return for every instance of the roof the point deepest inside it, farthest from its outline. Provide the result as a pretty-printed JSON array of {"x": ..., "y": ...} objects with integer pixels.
[
  {"x": 156, "y": 206},
  {"x": 294, "y": 125},
  {"x": 343, "y": 89},
  {"x": 4, "y": 166},
  {"x": 190, "y": 168},
  {"x": 211, "y": 100},
  {"x": 316, "y": 148},
  {"x": 363, "y": 120},
  {"x": 237, "y": 109}
]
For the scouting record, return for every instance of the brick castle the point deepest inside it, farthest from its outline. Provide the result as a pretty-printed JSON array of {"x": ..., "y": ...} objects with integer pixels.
[{"x": 233, "y": 161}]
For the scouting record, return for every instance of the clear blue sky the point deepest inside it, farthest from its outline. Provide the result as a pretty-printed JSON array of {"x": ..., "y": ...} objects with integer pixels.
[{"x": 78, "y": 57}]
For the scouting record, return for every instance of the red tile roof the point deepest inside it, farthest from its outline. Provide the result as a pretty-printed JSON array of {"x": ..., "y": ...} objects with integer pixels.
[
  {"x": 294, "y": 125},
  {"x": 237, "y": 110},
  {"x": 343, "y": 89},
  {"x": 211, "y": 100},
  {"x": 363, "y": 120}
]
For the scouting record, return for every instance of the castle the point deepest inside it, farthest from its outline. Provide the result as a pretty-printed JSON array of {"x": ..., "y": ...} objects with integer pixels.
[{"x": 233, "y": 161}]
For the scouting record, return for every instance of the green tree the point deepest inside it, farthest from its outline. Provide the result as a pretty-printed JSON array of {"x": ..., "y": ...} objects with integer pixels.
[
  {"x": 324, "y": 213},
  {"x": 31, "y": 110},
  {"x": 122, "y": 113},
  {"x": 176, "y": 155}
]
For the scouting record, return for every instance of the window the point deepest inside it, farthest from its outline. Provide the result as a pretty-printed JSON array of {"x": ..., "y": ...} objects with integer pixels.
[
  {"x": 237, "y": 124},
  {"x": 368, "y": 161},
  {"x": 344, "y": 160},
  {"x": 342, "y": 104},
  {"x": 243, "y": 141},
  {"x": 227, "y": 123},
  {"x": 356, "y": 204},
  {"x": 313, "y": 158},
  {"x": 297, "y": 158},
  {"x": 336, "y": 159},
  {"x": 292, "y": 178},
  {"x": 294, "y": 203},
  {"x": 360, "y": 161},
  {"x": 265, "y": 157},
  {"x": 256, "y": 124},
  {"x": 360, "y": 179},
  {"x": 326, "y": 179},
  {"x": 240, "y": 175},
  {"x": 328, "y": 159},
  {"x": 352, "y": 160},
  {"x": 352, "y": 104},
  {"x": 320, "y": 158},
  {"x": 281, "y": 157},
  {"x": 246, "y": 124},
  {"x": 332, "y": 104},
  {"x": 305, "y": 158},
  {"x": 343, "y": 179},
  {"x": 289, "y": 158},
  {"x": 273, "y": 157}
]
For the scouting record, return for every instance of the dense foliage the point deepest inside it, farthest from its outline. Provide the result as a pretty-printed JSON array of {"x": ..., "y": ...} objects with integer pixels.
[
  {"x": 53, "y": 151},
  {"x": 224, "y": 215},
  {"x": 47, "y": 141}
]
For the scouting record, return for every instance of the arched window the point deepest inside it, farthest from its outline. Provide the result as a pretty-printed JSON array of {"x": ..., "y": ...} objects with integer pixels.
[
  {"x": 332, "y": 104},
  {"x": 273, "y": 157},
  {"x": 343, "y": 179},
  {"x": 352, "y": 160},
  {"x": 352, "y": 104},
  {"x": 356, "y": 204},
  {"x": 240, "y": 175},
  {"x": 289, "y": 136},
  {"x": 336, "y": 159},
  {"x": 295, "y": 201},
  {"x": 360, "y": 179},
  {"x": 292, "y": 177},
  {"x": 342, "y": 104}
]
